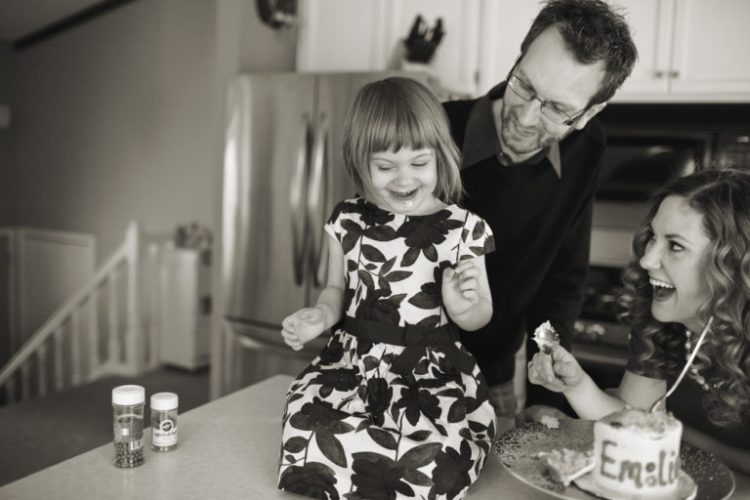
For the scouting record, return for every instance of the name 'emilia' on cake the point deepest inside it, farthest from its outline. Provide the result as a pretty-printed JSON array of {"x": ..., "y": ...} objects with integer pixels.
[{"x": 637, "y": 453}]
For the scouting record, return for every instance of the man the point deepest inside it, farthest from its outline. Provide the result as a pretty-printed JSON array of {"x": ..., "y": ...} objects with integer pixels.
[{"x": 531, "y": 158}]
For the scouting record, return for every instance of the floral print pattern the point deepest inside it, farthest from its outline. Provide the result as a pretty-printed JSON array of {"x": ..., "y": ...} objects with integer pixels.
[{"x": 352, "y": 427}]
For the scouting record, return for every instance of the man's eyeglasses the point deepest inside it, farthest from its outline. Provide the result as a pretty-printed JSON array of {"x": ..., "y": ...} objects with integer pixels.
[{"x": 549, "y": 110}]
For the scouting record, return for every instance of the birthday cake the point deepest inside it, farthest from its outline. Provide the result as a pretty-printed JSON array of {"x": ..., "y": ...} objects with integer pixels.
[{"x": 637, "y": 454}]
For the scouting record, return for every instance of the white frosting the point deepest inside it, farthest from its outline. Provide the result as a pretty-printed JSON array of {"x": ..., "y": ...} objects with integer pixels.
[{"x": 637, "y": 454}]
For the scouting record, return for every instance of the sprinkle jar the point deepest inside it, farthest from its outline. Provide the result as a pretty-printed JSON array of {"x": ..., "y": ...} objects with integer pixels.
[
  {"x": 164, "y": 421},
  {"x": 127, "y": 418}
]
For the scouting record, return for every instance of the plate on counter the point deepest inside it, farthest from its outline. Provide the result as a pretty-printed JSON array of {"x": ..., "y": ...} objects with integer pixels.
[{"x": 518, "y": 448}]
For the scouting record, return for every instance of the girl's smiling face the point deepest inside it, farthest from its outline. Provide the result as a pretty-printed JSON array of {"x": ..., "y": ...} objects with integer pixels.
[
  {"x": 675, "y": 258},
  {"x": 404, "y": 181}
]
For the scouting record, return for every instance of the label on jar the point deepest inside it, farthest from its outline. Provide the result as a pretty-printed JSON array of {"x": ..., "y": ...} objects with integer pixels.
[{"x": 165, "y": 434}]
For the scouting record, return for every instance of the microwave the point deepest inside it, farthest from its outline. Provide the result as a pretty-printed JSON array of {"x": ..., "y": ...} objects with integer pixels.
[{"x": 647, "y": 146}]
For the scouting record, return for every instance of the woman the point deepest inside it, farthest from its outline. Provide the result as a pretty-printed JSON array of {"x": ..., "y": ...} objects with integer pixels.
[{"x": 691, "y": 274}]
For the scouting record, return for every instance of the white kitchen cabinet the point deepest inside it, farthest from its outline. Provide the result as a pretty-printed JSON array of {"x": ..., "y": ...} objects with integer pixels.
[
  {"x": 689, "y": 50},
  {"x": 365, "y": 35}
]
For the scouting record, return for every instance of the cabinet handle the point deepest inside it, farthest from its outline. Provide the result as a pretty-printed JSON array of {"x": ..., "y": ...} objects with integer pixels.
[
  {"x": 674, "y": 74},
  {"x": 658, "y": 74}
]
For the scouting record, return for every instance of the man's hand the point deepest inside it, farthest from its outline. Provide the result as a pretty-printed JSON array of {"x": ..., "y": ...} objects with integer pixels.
[{"x": 302, "y": 326}]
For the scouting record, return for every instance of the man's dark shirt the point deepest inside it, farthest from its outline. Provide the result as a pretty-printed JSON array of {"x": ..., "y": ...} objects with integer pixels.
[{"x": 541, "y": 220}]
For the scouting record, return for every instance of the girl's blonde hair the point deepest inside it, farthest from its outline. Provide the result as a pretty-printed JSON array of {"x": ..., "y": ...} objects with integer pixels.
[{"x": 394, "y": 113}]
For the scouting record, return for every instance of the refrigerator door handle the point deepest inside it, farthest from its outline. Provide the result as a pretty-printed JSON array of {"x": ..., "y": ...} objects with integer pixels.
[
  {"x": 297, "y": 200},
  {"x": 317, "y": 201}
]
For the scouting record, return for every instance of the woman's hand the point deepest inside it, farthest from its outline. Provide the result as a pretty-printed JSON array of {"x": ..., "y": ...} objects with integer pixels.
[
  {"x": 460, "y": 288},
  {"x": 303, "y": 326},
  {"x": 558, "y": 371}
]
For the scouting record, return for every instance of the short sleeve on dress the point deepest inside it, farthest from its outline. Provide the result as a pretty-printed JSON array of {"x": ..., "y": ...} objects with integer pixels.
[
  {"x": 476, "y": 238},
  {"x": 640, "y": 361},
  {"x": 333, "y": 225}
]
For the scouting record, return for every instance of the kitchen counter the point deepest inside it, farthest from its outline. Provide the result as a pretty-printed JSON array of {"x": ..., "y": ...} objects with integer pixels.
[{"x": 227, "y": 449}]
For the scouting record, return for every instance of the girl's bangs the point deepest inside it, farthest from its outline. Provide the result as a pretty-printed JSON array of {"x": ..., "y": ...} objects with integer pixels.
[{"x": 395, "y": 125}]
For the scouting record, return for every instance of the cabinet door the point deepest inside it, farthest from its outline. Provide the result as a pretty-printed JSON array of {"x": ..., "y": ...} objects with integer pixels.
[
  {"x": 503, "y": 26},
  {"x": 341, "y": 35},
  {"x": 455, "y": 59},
  {"x": 711, "y": 41},
  {"x": 651, "y": 27}
]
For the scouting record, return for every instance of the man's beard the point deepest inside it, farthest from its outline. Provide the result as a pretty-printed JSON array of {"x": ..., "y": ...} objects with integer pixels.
[{"x": 521, "y": 146}]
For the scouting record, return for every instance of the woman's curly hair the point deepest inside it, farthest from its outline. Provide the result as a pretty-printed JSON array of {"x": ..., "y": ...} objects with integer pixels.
[{"x": 722, "y": 197}]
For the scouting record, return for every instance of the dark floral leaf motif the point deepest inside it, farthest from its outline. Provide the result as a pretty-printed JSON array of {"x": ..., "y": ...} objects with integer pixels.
[
  {"x": 466, "y": 434},
  {"x": 410, "y": 257},
  {"x": 341, "y": 379},
  {"x": 325, "y": 391},
  {"x": 357, "y": 295},
  {"x": 489, "y": 244},
  {"x": 479, "y": 230},
  {"x": 457, "y": 411},
  {"x": 451, "y": 393},
  {"x": 415, "y": 477},
  {"x": 430, "y": 321},
  {"x": 372, "y": 254},
  {"x": 420, "y": 455},
  {"x": 451, "y": 472},
  {"x": 312, "y": 479},
  {"x": 383, "y": 438},
  {"x": 386, "y": 268},
  {"x": 331, "y": 448},
  {"x": 333, "y": 351},
  {"x": 374, "y": 458},
  {"x": 440, "y": 428},
  {"x": 365, "y": 277},
  {"x": 290, "y": 459},
  {"x": 419, "y": 435},
  {"x": 453, "y": 224},
  {"x": 364, "y": 424},
  {"x": 295, "y": 444},
  {"x": 430, "y": 253},
  {"x": 383, "y": 284},
  {"x": 300, "y": 421},
  {"x": 371, "y": 362},
  {"x": 380, "y": 233},
  {"x": 477, "y": 427},
  {"x": 294, "y": 397},
  {"x": 397, "y": 276},
  {"x": 370, "y": 267},
  {"x": 351, "y": 265},
  {"x": 372, "y": 215},
  {"x": 472, "y": 404},
  {"x": 397, "y": 299},
  {"x": 388, "y": 358},
  {"x": 425, "y": 300},
  {"x": 379, "y": 479},
  {"x": 477, "y": 250},
  {"x": 466, "y": 256},
  {"x": 351, "y": 236},
  {"x": 422, "y": 367},
  {"x": 464, "y": 234},
  {"x": 379, "y": 396}
]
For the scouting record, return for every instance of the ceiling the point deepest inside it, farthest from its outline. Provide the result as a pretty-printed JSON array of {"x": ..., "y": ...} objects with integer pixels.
[{"x": 19, "y": 18}]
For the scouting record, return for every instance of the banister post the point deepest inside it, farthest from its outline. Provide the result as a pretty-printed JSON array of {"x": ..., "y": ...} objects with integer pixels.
[{"x": 134, "y": 346}]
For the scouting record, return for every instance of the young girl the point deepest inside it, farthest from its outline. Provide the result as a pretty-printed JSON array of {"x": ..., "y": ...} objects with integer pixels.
[{"x": 394, "y": 405}]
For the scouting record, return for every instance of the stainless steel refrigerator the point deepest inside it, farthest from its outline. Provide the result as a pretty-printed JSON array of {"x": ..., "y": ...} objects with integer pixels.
[{"x": 283, "y": 173}]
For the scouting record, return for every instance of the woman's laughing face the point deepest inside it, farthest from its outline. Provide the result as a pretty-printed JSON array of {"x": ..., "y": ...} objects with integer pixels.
[{"x": 675, "y": 258}]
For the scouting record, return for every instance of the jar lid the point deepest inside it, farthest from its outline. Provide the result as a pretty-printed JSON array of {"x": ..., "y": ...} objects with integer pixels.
[
  {"x": 164, "y": 401},
  {"x": 128, "y": 395}
]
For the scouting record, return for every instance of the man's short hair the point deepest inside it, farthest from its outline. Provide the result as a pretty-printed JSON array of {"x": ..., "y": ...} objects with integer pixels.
[{"x": 593, "y": 31}]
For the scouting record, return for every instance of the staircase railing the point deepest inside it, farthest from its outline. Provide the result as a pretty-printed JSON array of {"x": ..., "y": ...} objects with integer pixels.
[{"x": 72, "y": 333}]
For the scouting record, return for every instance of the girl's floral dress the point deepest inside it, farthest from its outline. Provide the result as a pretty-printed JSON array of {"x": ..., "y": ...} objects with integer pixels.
[{"x": 374, "y": 419}]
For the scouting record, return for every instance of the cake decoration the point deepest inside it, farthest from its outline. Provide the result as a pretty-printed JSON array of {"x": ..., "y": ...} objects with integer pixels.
[{"x": 546, "y": 337}]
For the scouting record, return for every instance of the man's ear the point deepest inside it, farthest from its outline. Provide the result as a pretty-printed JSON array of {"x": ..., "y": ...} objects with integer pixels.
[{"x": 588, "y": 115}]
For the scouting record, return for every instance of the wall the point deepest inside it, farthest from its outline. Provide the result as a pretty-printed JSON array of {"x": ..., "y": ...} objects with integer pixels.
[
  {"x": 121, "y": 118},
  {"x": 5, "y": 180}
]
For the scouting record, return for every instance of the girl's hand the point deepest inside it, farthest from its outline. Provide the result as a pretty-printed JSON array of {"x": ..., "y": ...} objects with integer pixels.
[
  {"x": 558, "y": 371},
  {"x": 460, "y": 287},
  {"x": 302, "y": 326}
]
